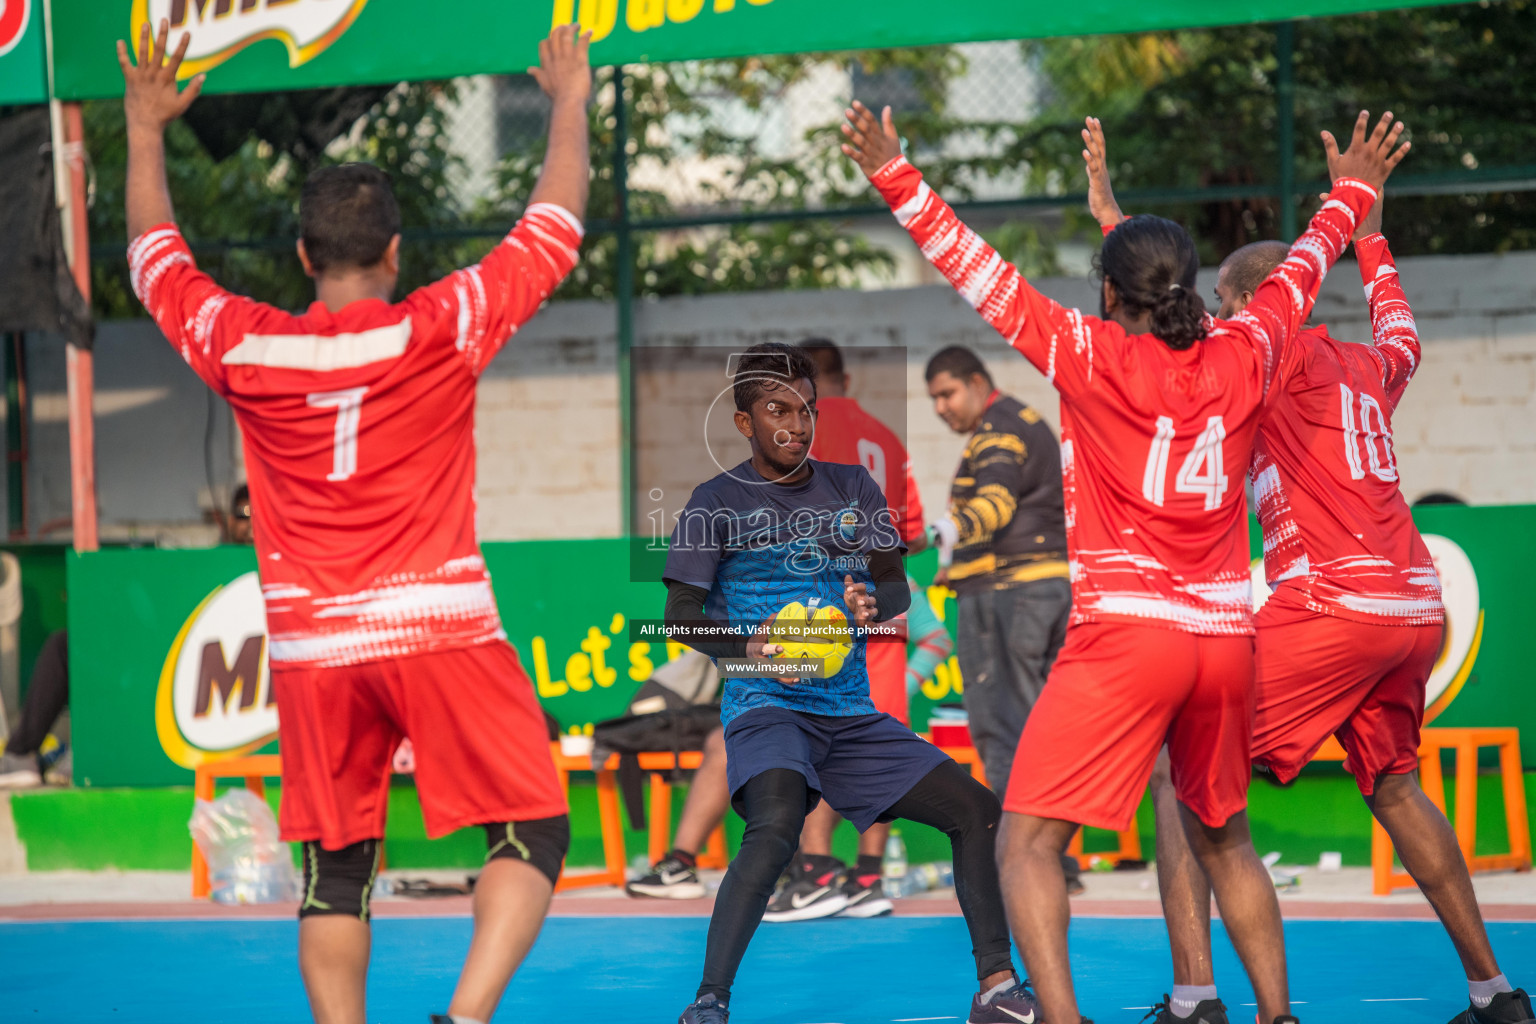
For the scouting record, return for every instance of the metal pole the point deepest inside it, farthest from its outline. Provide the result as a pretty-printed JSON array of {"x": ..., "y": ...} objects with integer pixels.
[
  {"x": 79, "y": 367},
  {"x": 1285, "y": 102},
  {"x": 624, "y": 302}
]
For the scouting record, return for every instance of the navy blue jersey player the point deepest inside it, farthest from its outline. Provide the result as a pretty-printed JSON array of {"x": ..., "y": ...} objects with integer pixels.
[{"x": 781, "y": 528}]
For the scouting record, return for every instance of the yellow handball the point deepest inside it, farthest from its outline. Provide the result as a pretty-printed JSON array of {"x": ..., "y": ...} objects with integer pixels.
[{"x": 820, "y": 631}]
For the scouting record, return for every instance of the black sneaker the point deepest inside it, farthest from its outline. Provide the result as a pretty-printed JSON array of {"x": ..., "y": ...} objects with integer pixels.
[
  {"x": 705, "y": 1010},
  {"x": 1017, "y": 1005},
  {"x": 670, "y": 879},
  {"x": 1506, "y": 1008},
  {"x": 865, "y": 897},
  {"x": 1207, "y": 1011},
  {"x": 1286, "y": 1018},
  {"x": 809, "y": 894}
]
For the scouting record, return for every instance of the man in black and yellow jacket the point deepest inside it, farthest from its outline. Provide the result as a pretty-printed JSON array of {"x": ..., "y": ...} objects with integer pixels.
[{"x": 1005, "y": 541}]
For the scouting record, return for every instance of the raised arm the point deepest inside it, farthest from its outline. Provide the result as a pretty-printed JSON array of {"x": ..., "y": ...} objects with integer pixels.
[
  {"x": 1284, "y": 301},
  {"x": 151, "y": 102},
  {"x": 1392, "y": 325},
  {"x": 1057, "y": 340},
  {"x": 1101, "y": 197},
  {"x": 190, "y": 308},
  {"x": 565, "y": 74}
]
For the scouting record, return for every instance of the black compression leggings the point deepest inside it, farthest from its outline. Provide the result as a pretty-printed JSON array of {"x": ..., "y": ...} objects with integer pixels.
[
  {"x": 774, "y": 805},
  {"x": 953, "y": 802}
]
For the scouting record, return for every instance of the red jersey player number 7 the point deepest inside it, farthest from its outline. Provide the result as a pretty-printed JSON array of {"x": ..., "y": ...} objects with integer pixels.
[{"x": 357, "y": 417}]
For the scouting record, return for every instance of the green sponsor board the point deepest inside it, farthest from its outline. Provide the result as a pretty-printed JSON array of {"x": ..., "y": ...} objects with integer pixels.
[
  {"x": 168, "y": 663},
  {"x": 23, "y": 69},
  {"x": 263, "y": 45},
  {"x": 168, "y": 666}
]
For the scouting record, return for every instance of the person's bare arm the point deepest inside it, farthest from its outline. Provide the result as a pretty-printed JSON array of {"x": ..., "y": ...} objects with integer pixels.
[
  {"x": 1101, "y": 197},
  {"x": 151, "y": 101},
  {"x": 565, "y": 74}
]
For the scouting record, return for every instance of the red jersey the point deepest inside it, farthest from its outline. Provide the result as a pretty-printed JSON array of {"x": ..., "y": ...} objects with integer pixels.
[
  {"x": 1154, "y": 441},
  {"x": 847, "y": 434},
  {"x": 1324, "y": 476},
  {"x": 359, "y": 439}
]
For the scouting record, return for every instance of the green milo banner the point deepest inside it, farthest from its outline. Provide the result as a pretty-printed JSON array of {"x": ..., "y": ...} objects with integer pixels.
[
  {"x": 264, "y": 45},
  {"x": 168, "y": 656}
]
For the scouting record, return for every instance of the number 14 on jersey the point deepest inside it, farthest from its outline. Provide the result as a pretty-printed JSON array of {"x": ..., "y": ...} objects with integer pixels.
[{"x": 1202, "y": 471}]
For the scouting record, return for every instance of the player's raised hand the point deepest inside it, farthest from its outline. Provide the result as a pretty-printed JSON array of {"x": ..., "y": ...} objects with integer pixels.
[
  {"x": 871, "y": 143},
  {"x": 564, "y": 70},
  {"x": 1101, "y": 197},
  {"x": 1371, "y": 158},
  {"x": 150, "y": 97},
  {"x": 861, "y": 604}
]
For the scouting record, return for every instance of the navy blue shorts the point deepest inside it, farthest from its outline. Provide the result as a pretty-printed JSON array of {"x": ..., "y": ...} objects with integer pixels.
[{"x": 860, "y": 764}]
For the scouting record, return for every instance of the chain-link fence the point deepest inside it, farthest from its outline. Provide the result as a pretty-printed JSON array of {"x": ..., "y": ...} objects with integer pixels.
[{"x": 731, "y": 178}]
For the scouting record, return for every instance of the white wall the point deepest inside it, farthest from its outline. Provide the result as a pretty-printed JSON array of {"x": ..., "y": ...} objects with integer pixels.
[{"x": 549, "y": 430}]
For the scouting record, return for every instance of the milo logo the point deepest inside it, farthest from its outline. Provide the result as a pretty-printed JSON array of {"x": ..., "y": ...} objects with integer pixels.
[
  {"x": 222, "y": 28},
  {"x": 215, "y": 695}
]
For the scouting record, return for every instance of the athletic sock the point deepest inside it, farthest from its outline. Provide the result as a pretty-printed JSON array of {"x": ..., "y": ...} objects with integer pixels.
[
  {"x": 868, "y": 864},
  {"x": 997, "y": 990},
  {"x": 688, "y": 860},
  {"x": 459, "y": 1018},
  {"x": 1185, "y": 998},
  {"x": 1484, "y": 991},
  {"x": 815, "y": 865}
]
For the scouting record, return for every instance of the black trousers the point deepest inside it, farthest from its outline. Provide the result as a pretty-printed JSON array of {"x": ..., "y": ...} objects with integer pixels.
[
  {"x": 47, "y": 697},
  {"x": 775, "y": 804}
]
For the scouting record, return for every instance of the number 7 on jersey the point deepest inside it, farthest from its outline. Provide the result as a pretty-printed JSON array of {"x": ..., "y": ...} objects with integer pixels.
[{"x": 348, "y": 404}]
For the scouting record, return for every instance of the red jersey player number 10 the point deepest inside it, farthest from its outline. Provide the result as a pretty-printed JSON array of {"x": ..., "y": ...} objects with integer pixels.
[{"x": 1383, "y": 465}]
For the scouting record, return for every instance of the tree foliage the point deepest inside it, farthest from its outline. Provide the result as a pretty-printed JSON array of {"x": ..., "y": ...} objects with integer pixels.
[
  {"x": 1195, "y": 109},
  {"x": 1183, "y": 109}
]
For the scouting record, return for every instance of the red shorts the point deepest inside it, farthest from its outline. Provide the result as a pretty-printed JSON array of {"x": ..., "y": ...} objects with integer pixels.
[
  {"x": 887, "y": 664},
  {"x": 1116, "y": 694},
  {"x": 1321, "y": 675},
  {"x": 482, "y": 749}
]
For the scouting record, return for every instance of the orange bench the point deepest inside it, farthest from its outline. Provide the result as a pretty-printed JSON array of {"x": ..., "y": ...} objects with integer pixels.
[
  {"x": 1466, "y": 743},
  {"x": 612, "y": 825},
  {"x": 1129, "y": 842}
]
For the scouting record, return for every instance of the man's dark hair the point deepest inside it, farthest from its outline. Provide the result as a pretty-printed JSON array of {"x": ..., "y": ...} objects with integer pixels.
[
  {"x": 765, "y": 362},
  {"x": 827, "y": 355},
  {"x": 347, "y": 215},
  {"x": 957, "y": 361},
  {"x": 1152, "y": 263},
  {"x": 1247, "y": 268}
]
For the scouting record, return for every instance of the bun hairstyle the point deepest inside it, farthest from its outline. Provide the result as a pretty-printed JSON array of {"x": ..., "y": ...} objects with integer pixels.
[{"x": 1152, "y": 263}]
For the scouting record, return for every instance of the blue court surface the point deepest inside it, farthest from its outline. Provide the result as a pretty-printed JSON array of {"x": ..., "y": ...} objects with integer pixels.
[{"x": 642, "y": 970}]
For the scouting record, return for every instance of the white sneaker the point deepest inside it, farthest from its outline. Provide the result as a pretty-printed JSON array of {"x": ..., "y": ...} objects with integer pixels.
[{"x": 19, "y": 771}]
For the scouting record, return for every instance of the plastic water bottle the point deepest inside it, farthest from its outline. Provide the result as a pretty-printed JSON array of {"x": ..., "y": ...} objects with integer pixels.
[
  {"x": 893, "y": 867},
  {"x": 251, "y": 880},
  {"x": 931, "y": 877}
]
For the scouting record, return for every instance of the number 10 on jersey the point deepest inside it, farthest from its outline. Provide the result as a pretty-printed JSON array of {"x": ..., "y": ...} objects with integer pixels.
[{"x": 1202, "y": 471}]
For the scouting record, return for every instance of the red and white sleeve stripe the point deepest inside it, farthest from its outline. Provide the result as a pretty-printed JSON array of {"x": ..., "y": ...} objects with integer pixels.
[{"x": 1392, "y": 324}]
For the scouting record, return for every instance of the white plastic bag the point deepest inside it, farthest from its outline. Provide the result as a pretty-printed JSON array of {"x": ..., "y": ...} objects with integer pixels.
[{"x": 247, "y": 862}]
